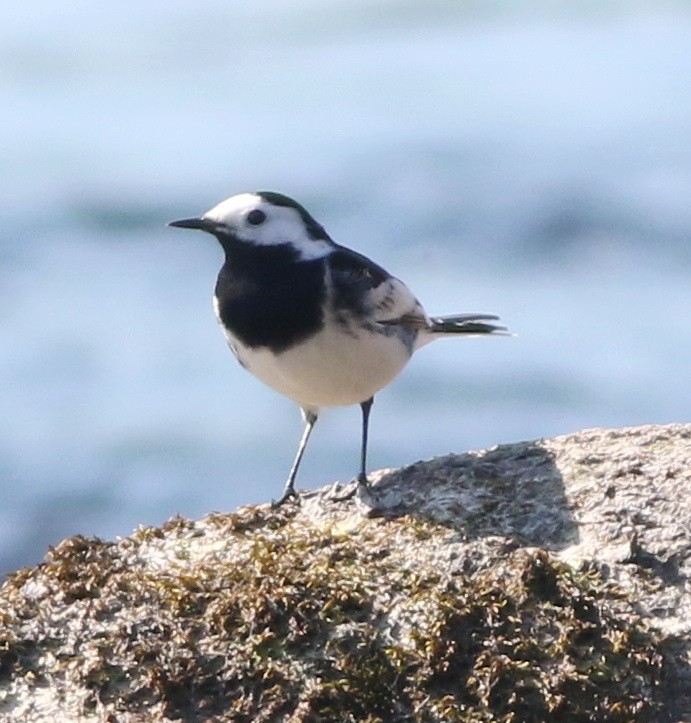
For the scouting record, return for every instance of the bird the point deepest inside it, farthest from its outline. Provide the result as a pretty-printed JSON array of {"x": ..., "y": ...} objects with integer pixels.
[{"x": 319, "y": 323}]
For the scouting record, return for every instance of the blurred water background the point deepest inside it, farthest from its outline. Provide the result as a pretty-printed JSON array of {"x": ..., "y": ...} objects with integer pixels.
[{"x": 531, "y": 159}]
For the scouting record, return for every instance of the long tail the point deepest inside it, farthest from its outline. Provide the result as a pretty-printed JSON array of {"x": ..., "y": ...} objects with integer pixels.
[{"x": 467, "y": 324}]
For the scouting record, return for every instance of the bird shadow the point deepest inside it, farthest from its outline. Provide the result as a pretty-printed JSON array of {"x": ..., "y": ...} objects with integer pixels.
[{"x": 512, "y": 490}]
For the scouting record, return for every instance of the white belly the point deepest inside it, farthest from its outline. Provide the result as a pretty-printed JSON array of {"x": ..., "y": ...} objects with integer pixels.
[{"x": 332, "y": 368}]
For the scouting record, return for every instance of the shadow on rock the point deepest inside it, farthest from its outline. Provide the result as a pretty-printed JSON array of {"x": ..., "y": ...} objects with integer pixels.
[{"x": 514, "y": 491}]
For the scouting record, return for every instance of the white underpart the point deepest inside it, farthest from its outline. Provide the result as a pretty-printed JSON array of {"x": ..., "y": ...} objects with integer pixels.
[
  {"x": 331, "y": 368},
  {"x": 345, "y": 362},
  {"x": 283, "y": 225}
]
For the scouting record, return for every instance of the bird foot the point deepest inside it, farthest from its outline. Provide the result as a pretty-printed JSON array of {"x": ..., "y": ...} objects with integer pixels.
[
  {"x": 359, "y": 483},
  {"x": 288, "y": 493},
  {"x": 345, "y": 496}
]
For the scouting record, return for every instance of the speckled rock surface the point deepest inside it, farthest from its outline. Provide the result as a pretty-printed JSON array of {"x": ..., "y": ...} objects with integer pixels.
[{"x": 538, "y": 581}]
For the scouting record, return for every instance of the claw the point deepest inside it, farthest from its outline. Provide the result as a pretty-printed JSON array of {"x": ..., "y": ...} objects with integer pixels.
[
  {"x": 345, "y": 496},
  {"x": 360, "y": 482},
  {"x": 288, "y": 494}
]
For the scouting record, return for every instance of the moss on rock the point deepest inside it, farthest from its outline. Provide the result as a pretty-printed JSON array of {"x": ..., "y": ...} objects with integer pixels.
[{"x": 265, "y": 615}]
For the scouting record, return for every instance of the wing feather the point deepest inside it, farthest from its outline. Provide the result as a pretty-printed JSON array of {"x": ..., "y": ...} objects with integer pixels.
[{"x": 368, "y": 290}]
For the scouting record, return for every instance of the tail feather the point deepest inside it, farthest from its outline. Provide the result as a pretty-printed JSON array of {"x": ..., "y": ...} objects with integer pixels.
[{"x": 467, "y": 324}]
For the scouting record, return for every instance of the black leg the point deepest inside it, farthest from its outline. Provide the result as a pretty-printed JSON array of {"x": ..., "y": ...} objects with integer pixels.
[
  {"x": 361, "y": 479},
  {"x": 289, "y": 490},
  {"x": 366, "y": 407}
]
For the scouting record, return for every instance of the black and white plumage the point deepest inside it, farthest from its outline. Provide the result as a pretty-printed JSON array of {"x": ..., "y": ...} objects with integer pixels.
[{"x": 317, "y": 322}]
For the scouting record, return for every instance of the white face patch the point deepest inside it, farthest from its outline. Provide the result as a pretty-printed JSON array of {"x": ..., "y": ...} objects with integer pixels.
[{"x": 255, "y": 220}]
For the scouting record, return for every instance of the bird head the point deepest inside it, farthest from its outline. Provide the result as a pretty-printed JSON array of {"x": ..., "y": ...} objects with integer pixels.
[{"x": 263, "y": 218}]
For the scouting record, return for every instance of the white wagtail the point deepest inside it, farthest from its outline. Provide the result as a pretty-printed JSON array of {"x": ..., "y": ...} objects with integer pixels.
[{"x": 315, "y": 321}]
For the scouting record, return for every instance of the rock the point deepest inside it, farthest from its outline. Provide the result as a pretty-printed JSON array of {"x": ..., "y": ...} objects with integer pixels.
[{"x": 539, "y": 581}]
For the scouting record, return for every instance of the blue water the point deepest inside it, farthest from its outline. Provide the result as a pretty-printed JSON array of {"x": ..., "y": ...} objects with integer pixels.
[{"x": 499, "y": 157}]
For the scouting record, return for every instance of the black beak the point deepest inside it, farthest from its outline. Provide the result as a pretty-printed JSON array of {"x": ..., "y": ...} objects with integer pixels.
[{"x": 202, "y": 224}]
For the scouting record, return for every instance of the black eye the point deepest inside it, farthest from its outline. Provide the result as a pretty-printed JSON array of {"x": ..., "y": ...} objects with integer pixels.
[{"x": 256, "y": 217}]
